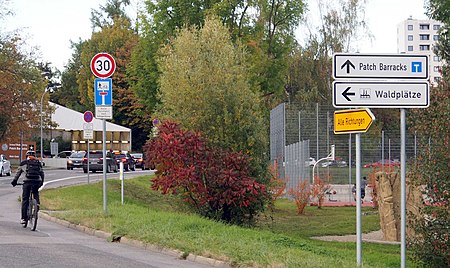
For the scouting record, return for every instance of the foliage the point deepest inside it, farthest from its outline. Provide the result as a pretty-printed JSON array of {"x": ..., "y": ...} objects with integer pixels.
[
  {"x": 21, "y": 87},
  {"x": 432, "y": 168},
  {"x": 204, "y": 85},
  {"x": 118, "y": 38},
  {"x": 301, "y": 195},
  {"x": 277, "y": 185},
  {"x": 216, "y": 182},
  {"x": 318, "y": 190},
  {"x": 341, "y": 26},
  {"x": 440, "y": 10}
]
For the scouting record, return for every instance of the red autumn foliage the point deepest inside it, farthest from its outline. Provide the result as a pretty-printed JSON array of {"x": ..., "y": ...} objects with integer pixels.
[
  {"x": 318, "y": 190},
  {"x": 277, "y": 185},
  {"x": 301, "y": 195},
  {"x": 216, "y": 182}
]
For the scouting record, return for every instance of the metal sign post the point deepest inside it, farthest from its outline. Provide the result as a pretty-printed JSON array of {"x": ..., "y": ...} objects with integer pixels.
[
  {"x": 103, "y": 66},
  {"x": 88, "y": 133},
  {"x": 121, "y": 180},
  {"x": 395, "y": 90}
]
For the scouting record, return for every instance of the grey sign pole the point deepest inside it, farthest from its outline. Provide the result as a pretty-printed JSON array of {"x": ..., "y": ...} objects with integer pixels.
[
  {"x": 358, "y": 201},
  {"x": 88, "y": 158},
  {"x": 403, "y": 186},
  {"x": 104, "y": 167}
]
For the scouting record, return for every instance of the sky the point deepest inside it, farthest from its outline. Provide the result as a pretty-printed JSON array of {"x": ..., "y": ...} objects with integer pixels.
[{"x": 50, "y": 25}]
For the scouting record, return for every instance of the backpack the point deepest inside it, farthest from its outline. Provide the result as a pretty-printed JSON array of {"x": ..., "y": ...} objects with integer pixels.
[{"x": 33, "y": 169}]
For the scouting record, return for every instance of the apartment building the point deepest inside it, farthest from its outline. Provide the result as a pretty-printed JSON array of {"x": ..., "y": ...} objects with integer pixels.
[{"x": 419, "y": 37}]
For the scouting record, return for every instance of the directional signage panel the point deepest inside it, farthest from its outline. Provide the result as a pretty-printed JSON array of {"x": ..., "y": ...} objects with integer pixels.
[
  {"x": 378, "y": 66},
  {"x": 381, "y": 94},
  {"x": 103, "y": 92},
  {"x": 352, "y": 121}
]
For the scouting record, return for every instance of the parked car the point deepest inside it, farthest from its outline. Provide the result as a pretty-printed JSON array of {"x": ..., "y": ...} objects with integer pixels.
[
  {"x": 139, "y": 160},
  {"x": 96, "y": 162},
  {"x": 5, "y": 166},
  {"x": 334, "y": 163},
  {"x": 63, "y": 154},
  {"x": 126, "y": 159},
  {"x": 75, "y": 160},
  {"x": 310, "y": 162},
  {"x": 385, "y": 163}
]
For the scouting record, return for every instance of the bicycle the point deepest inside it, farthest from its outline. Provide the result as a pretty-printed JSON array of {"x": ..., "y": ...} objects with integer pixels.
[{"x": 32, "y": 212}]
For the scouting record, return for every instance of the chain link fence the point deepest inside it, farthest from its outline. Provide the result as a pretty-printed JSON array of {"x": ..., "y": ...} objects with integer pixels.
[{"x": 299, "y": 131}]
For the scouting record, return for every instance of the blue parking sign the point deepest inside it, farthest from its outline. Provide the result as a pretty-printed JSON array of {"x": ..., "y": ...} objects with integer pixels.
[{"x": 103, "y": 92}]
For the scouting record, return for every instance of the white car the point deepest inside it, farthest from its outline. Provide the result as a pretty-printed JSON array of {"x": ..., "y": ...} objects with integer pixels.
[
  {"x": 310, "y": 162},
  {"x": 5, "y": 166}
]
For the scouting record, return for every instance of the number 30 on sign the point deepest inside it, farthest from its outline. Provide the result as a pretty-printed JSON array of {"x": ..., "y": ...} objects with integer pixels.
[{"x": 103, "y": 65}]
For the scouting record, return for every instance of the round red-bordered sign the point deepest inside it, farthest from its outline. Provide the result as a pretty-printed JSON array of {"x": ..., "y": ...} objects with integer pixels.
[
  {"x": 88, "y": 116},
  {"x": 103, "y": 65}
]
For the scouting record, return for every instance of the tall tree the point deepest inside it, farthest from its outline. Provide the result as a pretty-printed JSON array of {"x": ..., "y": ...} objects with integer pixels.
[
  {"x": 265, "y": 27},
  {"x": 21, "y": 86},
  {"x": 204, "y": 86},
  {"x": 340, "y": 27},
  {"x": 117, "y": 38}
]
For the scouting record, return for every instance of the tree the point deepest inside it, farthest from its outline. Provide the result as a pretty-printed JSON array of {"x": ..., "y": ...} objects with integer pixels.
[
  {"x": 21, "y": 86},
  {"x": 204, "y": 85},
  {"x": 432, "y": 171},
  {"x": 309, "y": 77},
  {"x": 117, "y": 38}
]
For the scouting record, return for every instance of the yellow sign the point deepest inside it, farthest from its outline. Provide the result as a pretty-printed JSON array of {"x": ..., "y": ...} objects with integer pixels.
[{"x": 352, "y": 121}]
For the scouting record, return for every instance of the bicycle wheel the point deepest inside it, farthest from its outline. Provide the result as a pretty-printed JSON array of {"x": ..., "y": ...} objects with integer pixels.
[{"x": 34, "y": 214}]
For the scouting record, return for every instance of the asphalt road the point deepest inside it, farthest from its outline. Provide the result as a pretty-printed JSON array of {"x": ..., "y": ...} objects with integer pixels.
[{"x": 53, "y": 245}]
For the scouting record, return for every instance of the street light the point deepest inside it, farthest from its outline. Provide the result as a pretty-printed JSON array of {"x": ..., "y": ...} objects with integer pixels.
[{"x": 42, "y": 133}]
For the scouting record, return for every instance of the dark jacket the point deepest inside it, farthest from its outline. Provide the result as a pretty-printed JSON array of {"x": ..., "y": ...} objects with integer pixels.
[{"x": 23, "y": 169}]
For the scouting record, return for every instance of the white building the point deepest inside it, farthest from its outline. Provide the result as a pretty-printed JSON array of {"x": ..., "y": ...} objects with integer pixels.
[
  {"x": 70, "y": 124},
  {"x": 419, "y": 37}
]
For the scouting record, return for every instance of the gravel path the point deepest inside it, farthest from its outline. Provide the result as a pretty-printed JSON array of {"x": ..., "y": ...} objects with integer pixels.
[{"x": 372, "y": 237}]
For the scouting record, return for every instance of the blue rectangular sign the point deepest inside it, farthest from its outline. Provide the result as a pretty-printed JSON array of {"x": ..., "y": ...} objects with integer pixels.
[{"x": 103, "y": 92}]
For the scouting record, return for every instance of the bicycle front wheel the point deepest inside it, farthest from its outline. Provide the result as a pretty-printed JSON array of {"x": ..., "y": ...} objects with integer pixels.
[{"x": 34, "y": 214}]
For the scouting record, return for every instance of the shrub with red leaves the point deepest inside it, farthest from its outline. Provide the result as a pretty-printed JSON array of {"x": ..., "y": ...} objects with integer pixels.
[{"x": 214, "y": 181}]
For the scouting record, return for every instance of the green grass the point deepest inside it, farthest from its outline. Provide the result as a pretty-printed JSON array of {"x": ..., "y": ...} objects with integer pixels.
[{"x": 280, "y": 238}]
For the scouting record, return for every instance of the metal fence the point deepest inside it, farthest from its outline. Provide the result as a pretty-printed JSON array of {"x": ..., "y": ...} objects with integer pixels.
[{"x": 292, "y": 123}]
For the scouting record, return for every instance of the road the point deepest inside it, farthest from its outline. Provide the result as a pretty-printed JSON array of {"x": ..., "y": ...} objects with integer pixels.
[{"x": 53, "y": 245}]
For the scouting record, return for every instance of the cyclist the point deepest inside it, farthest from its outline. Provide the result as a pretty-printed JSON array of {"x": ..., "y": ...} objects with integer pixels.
[{"x": 34, "y": 179}]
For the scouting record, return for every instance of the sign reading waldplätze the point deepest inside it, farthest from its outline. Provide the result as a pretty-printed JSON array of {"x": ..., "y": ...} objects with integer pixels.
[{"x": 12, "y": 149}]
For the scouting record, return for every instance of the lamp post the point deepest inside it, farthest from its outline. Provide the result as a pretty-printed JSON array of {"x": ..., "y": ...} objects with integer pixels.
[{"x": 42, "y": 152}]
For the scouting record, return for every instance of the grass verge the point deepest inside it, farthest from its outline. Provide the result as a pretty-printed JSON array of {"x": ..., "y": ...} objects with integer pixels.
[{"x": 280, "y": 239}]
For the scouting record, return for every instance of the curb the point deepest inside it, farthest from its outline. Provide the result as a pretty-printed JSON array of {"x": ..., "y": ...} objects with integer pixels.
[{"x": 136, "y": 243}]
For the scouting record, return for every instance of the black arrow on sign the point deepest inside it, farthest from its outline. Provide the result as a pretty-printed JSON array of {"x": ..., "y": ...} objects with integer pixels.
[
  {"x": 346, "y": 93},
  {"x": 347, "y": 64}
]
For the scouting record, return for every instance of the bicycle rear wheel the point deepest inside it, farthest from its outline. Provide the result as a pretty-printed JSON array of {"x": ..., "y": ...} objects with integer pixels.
[{"x": 33, "y": 217}]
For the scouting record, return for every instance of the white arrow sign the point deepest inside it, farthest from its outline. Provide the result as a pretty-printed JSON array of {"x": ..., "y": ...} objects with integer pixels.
[
  {"x": 381, "y": 94},
  {"x": 390, "y": 66}
]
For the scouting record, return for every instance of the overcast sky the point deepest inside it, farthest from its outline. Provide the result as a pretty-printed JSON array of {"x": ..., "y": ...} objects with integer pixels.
[{"x": 51, "y": 24}]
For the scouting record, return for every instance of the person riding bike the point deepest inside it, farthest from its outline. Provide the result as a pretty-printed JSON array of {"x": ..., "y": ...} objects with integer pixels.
[{"x": 34, "y": 179}]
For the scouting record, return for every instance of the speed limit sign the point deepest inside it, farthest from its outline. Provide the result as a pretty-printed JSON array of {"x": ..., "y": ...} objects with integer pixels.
[{"x": 103, "y": 65}]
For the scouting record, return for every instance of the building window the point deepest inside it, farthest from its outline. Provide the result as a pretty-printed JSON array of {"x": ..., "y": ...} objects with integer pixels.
[
  {"x": 436, "y": 27},
  {"x": 424, "y": 37},
  {"x": 410, "y": 48},
  {"x": 437, "y": 68},
  {"x": 437, "y": 79},
  {"x": 436, "y": 58},
  {"x": 435, "y": 37},
  {"x": 410, "y": 37},
  {"x": 410, "y": 27},
  {"x": 424, "y": 47},
  {"x": 424, "y": 26}
]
